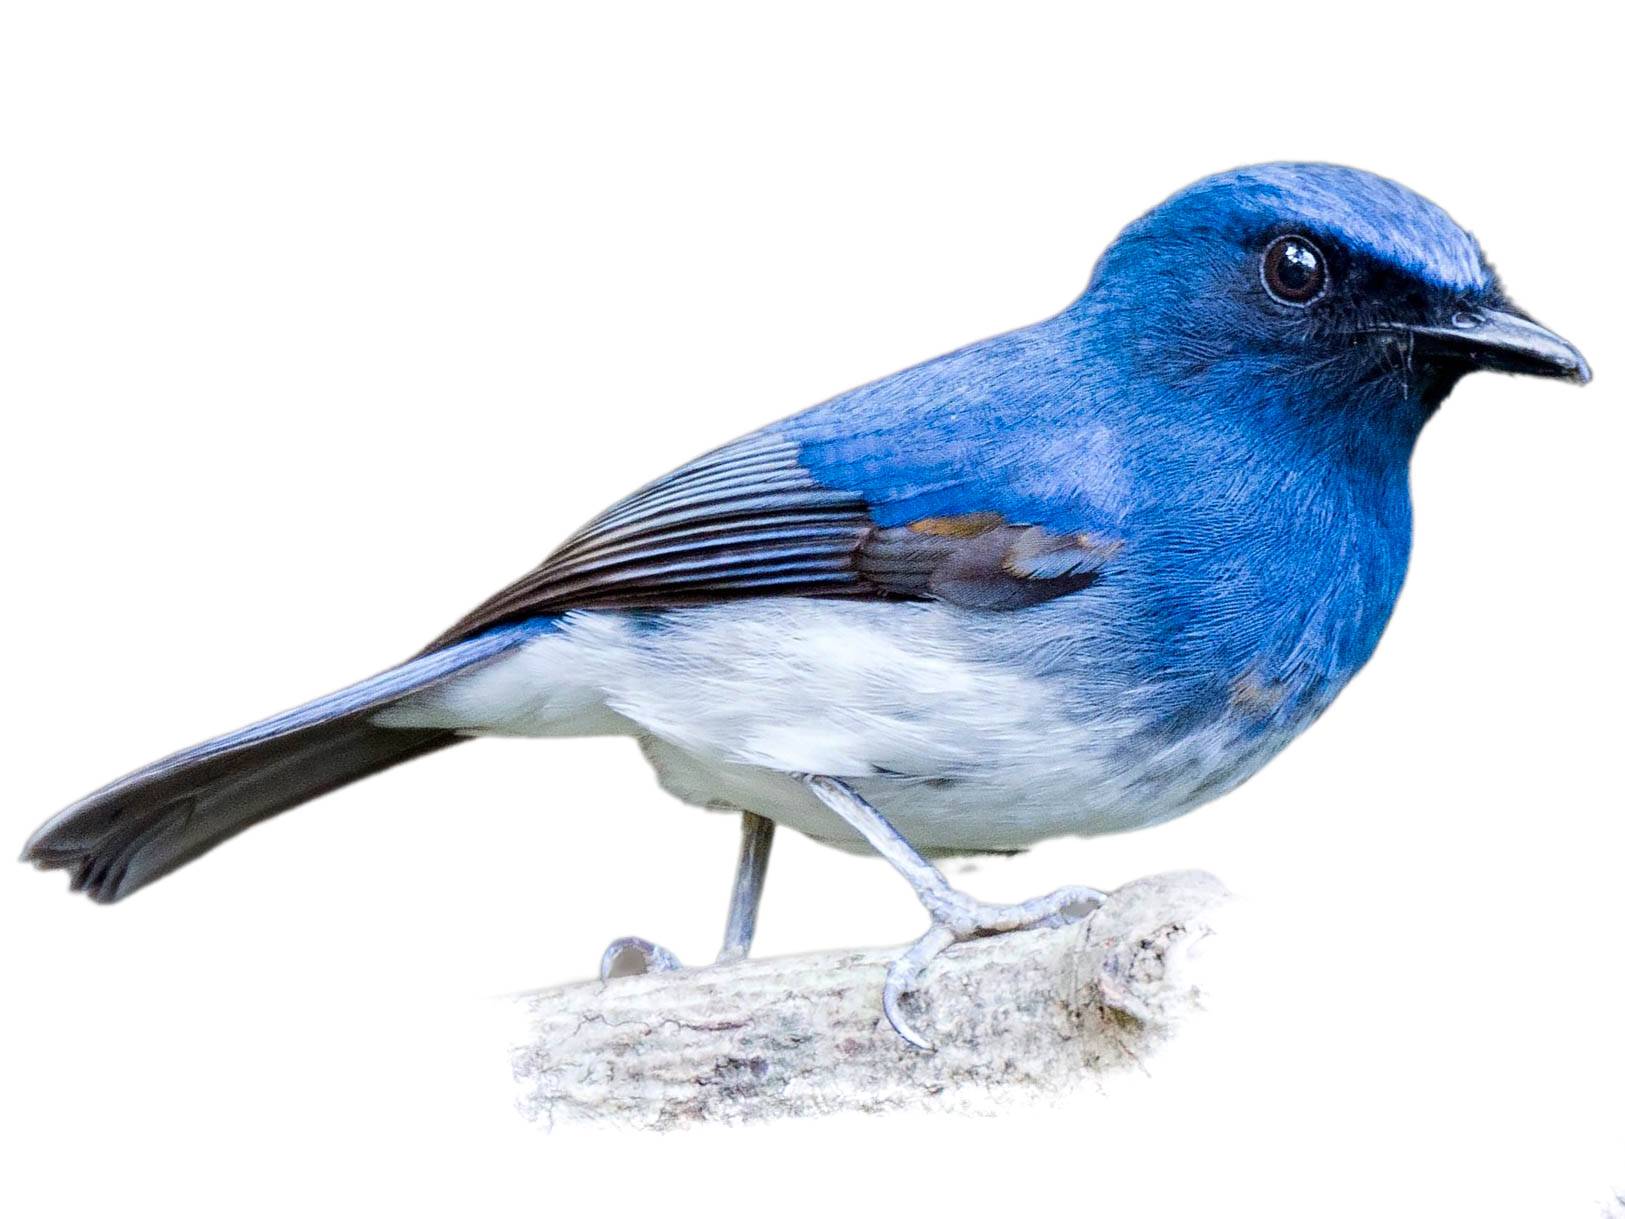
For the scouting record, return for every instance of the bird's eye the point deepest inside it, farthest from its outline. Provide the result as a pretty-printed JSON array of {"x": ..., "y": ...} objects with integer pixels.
[{"x": 1294, "y": 270}]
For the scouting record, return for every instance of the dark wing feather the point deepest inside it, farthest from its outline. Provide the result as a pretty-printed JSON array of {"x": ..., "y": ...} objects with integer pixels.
[
  {"x": 745, "y": 520},
  {"x": 980, "y": 561},
  {"x": 748, "y": 521}
]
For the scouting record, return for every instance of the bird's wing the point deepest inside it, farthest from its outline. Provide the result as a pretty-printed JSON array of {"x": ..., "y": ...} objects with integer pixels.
[{"x": 750, "y": 520}]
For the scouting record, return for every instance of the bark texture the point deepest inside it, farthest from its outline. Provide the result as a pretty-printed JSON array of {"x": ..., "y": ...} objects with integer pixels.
[{"x": 1034, "y": 1012}]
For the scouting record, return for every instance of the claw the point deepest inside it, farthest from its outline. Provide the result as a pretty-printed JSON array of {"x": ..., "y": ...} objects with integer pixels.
[
  {"x": 899, "y": 1022},
  {"x": 632, "y": 955},
  {"x": 968, "y": 920},
  {"x": 903, "y": 978}
]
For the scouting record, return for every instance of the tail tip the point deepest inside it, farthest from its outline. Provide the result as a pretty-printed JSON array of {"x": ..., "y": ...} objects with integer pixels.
[{"x": 98, "y": 869}]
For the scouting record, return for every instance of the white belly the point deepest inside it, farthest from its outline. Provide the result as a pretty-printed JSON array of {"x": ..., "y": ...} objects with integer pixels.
[{"x": 961, "y": 744}]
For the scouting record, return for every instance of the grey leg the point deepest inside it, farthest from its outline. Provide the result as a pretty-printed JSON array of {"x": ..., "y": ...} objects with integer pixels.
[
  {"x": 954, "y": 915},
  {"x": 631, "y": 955},
  {"x": 755, "y": 844}
]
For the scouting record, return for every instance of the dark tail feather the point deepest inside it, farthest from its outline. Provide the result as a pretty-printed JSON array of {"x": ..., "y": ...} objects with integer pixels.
[
  {"x": 144, "y": 827},
  {"x": 155, "y": 819}
]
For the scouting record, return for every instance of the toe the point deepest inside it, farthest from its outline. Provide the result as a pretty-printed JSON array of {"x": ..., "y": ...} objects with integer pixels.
[
  {"x": 903, "y": 979},
  {"x": 632, "y": 955}
]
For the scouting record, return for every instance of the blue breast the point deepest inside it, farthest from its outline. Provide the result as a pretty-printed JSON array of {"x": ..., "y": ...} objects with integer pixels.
[{"x": 1260, "y": 550}]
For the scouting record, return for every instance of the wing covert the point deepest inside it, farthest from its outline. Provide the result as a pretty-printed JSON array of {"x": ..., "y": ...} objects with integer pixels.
[{"x": 749, "y": 520}]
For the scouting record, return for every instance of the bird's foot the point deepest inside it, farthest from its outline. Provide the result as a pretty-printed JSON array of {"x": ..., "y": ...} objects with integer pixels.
[
  {"x": 632, "y": 955},
  {"x": 956, "y": 918}
]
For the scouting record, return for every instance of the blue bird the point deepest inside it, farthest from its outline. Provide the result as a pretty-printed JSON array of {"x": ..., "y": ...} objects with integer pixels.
[{"x": 1074, "y": 579}]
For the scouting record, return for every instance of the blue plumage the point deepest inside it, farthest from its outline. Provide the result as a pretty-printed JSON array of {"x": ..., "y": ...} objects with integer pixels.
[{"x": 1075, "y": 578}]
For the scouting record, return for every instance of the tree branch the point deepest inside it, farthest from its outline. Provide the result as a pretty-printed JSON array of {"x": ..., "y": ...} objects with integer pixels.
[{"x": 1043, "y": 1011}]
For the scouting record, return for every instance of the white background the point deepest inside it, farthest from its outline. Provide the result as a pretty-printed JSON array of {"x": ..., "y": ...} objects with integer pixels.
[{"x": 322, "y": 321}]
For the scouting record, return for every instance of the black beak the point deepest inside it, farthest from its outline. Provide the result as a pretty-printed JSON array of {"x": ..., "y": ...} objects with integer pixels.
[{"x": 1495, "y": 338}]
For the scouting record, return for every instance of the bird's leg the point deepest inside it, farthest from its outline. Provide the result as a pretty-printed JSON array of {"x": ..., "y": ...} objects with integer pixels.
[
  {"x": 755, "y": 844},
  {"x": 631, "y": 955},
  {"x": 954, "y": 915}
]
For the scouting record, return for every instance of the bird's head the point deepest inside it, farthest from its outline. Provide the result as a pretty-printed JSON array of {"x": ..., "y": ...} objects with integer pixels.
[{"x": 1314, "y": 288}]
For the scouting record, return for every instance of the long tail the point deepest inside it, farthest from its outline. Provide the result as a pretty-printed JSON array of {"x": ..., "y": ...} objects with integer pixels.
[{"x": 155, "y": 819}]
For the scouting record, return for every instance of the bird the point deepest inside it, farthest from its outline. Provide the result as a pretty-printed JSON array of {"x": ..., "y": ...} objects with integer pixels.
[{"x": 1078, "y": 578}]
